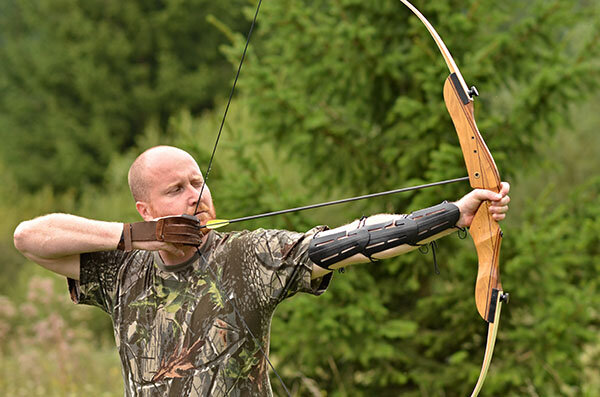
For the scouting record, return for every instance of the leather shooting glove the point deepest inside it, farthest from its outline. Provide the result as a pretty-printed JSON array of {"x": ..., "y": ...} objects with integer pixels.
[{"x": 180, "y": 229}]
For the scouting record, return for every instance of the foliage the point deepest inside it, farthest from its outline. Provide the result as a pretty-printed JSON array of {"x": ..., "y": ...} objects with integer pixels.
[
  {"x": 357, "y": 85},
  {"x": 80, "y": 80},
  {"x": 47, "y": 346},
  {"x": 560, "y": 263}
]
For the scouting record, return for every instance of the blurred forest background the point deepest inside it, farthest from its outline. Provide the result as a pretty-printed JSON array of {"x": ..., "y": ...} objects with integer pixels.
[{"x": 336, "y": 98}]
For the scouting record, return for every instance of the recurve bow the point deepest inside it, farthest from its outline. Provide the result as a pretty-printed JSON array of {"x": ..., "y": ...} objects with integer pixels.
[{"x": 483, "y": 174}]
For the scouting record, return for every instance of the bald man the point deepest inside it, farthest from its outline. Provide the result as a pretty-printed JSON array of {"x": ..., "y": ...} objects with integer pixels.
[{"x": 192, "y": 315}]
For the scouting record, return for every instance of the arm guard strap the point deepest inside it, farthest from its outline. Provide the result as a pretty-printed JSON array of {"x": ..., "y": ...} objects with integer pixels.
[{"x": 326, "y": 250}]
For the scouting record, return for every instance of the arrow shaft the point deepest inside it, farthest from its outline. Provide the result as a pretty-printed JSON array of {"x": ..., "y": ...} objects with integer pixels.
[{"x": 341, "y": 201}]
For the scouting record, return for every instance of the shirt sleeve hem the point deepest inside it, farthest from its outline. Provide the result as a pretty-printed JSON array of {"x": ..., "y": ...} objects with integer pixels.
[
  {"x": 74, "y": 290},
  {"x": 324, "y": 282}
]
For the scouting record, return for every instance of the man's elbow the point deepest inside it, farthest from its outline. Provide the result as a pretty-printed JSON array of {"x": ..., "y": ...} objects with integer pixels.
[
  {"x": 26, "y": 238},
  {"x": 21, "y": 237}
]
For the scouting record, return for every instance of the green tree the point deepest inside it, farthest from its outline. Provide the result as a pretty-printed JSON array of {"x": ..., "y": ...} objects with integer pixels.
[{"x": 80, "y": 80}]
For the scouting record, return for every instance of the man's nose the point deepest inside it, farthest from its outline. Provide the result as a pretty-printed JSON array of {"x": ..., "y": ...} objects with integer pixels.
[
  {"x": 196, "y": 191},
  {"x": 194, "y": 194}
]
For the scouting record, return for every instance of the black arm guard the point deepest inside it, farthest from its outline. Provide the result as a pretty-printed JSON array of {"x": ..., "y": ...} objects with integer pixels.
[
  {"x": 432, "y": 220},
  {"x": 370, "y": 239}
]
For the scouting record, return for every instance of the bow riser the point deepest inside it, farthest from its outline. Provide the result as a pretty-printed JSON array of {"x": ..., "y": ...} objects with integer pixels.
[{"x": 483, "y": 173}]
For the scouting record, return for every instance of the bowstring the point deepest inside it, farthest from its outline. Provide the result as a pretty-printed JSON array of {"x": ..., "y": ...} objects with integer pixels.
[
  {"x": 237, "y": 75},
  {"x": 210, "y": 162}
]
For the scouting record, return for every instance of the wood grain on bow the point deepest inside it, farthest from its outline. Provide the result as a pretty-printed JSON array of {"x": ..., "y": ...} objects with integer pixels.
[{"x": 483, "y": 174}]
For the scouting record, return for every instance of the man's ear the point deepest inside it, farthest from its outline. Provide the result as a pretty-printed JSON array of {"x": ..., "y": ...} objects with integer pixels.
[{"x": 144, "y": 209}]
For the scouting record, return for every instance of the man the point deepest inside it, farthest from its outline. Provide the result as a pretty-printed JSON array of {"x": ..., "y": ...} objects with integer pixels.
[{"x": 194, "y": 318}]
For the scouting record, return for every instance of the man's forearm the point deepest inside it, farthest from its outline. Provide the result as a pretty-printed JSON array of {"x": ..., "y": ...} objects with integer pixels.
[
  {"x": 382, "y": 236},
  {"x": 56, "y": 236}
]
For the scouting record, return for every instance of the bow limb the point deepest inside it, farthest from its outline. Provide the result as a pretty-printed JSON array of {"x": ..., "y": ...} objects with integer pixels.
[
  {"x": 489, "y": 347},
  {"x": 483, "y": 174}
]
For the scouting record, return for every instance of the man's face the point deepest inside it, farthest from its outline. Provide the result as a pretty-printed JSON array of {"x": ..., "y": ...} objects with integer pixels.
[{"x": 174, "y": 185}]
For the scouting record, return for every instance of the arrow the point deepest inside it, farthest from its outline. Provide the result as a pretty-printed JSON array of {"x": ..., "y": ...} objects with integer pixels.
[{"x": 218, "y": 223}]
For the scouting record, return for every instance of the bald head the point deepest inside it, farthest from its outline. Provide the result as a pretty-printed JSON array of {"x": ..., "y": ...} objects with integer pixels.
[{"x": 142, "y": 171}]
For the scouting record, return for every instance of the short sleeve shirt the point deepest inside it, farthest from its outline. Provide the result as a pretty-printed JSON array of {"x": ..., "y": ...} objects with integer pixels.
[{"x": 180, "y": 330}]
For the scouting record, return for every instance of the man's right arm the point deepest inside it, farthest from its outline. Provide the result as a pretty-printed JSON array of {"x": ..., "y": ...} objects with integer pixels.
[{"x": 55, "y": 241}]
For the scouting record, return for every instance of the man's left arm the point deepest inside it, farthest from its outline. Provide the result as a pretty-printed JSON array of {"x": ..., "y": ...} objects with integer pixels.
[{"x": 369, "y": 237}]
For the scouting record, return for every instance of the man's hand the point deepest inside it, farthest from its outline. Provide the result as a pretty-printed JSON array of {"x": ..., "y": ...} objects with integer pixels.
[
  {"x": 168, "y": 234},
  {"x": 469, "y": 204}
]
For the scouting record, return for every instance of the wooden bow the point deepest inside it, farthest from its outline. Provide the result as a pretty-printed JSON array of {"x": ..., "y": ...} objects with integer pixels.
[{"x": 483, "y": 174}]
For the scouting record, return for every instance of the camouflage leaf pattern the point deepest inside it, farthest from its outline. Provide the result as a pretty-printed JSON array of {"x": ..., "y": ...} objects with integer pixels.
[{"x": 175, "y": 327}]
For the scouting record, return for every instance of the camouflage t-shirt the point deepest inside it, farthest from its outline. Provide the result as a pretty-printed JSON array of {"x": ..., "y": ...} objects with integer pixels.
[{"x": 176, "y": 329}]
